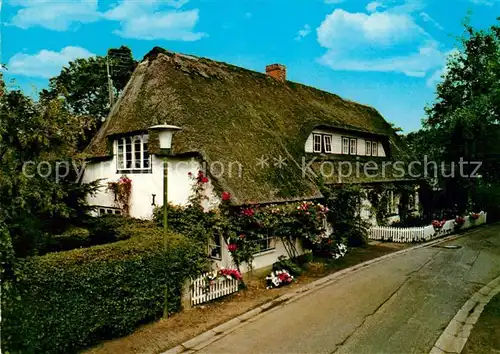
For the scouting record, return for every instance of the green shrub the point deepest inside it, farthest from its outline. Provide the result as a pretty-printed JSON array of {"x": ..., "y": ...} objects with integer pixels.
[
  {"x": 287, "y": 264},
  {"x": 111, "y": 228},
  {"x": 486, "y": 198},
  {"x": 345, "y": 203},
  {"x": 74, "y": 237},
  {"x": 191, "y": 221},
  {"x": 73, "y": 299}
]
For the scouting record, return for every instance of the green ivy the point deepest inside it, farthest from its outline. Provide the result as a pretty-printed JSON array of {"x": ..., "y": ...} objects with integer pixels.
[{"x": 345, "y": 203}]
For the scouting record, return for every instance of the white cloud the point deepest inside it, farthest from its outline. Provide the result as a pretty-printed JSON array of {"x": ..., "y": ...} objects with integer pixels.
[
  {"x": 373, "y": 6},
  {"x": 45, "y": 63},
  {"x": 427, "y": 18},
  {"x": 485, "y": 2},
  {"x": 304, "y": 32},
  {"x": 148, "y": 20},
  {"x": 381, "y": 28},
  {"x": 439, "y": 74},
  {"x": 139, "y": 19},
  {"x": 168, "y": 26},
  {"x": 54, "y": 15},
  {"x": 388, "y": 41},
  {"x": 408, "y": 7}
]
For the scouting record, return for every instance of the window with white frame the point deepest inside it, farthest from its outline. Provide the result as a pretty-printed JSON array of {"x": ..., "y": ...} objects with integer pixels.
[
  {"x": 322, "y": 143},
  {"x": 327, "y": 143},
  {"x": 214, "y": 246},
  {"x": 132, "y": 154},
  {"x": 392, "y": 205},
  {"x": 317, "y": 142},
  {"x": 267, "y": 243},
  {"x": 353, "y": 146},
  {"x": 371, "y": 148},
  {"x": 345, "y": 146},
  {"x": 108, "y": 211}
]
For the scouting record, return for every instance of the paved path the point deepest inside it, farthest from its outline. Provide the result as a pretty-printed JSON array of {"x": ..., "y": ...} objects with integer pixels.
[{"x": 400, "y": 305}]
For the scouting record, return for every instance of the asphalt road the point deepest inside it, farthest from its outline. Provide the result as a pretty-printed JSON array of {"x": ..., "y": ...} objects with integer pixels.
[{"x": 400, "y": 305}]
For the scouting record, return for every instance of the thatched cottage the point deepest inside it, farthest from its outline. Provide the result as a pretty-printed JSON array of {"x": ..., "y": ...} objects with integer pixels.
[{"x": 258, "y": 136}]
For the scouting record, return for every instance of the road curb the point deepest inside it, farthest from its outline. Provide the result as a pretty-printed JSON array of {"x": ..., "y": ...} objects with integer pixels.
[
  {"x": 456, "y": 334},
  {"x": 224, "y": 329}
]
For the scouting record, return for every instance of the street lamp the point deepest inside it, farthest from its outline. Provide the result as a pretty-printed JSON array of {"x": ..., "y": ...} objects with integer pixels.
[{"x": 165, "y": 133}]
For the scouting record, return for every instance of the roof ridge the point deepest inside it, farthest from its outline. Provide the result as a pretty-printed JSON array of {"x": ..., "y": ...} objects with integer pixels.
[{"x": 153, "y": 54}]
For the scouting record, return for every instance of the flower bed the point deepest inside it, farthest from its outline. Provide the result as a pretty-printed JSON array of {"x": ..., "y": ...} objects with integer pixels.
[{"x": 278, "y": 278}]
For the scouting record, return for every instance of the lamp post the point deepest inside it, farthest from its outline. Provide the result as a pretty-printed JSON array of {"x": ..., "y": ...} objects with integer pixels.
[{"x": 165, "y": 133}]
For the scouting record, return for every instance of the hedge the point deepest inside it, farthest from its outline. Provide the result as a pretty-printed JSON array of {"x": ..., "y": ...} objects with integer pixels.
[{"x": 70, "y": 300}]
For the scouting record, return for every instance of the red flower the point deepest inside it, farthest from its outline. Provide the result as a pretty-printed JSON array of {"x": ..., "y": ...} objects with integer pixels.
[
  {"x": 125, "y": 180},
  {"x": 242, "y": 236},
  {"x": 190, "y": 174},
  {"x": 204, "y": 180},
  {"x": 231, "y": 272},
  {"x": 226, "y": 196},
  {"x": 232, "y": 247},
  {"x": 248, "y": 212}
]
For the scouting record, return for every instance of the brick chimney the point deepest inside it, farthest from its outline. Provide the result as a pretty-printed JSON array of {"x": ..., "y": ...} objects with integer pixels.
[{"x": 277, "y": 71}]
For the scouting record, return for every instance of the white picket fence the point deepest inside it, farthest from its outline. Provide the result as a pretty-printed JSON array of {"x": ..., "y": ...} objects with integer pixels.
[
  {"x": 399, "y": 234},
  {"x": 419, "y": 234},
  {"x": 200, "y": 293}
]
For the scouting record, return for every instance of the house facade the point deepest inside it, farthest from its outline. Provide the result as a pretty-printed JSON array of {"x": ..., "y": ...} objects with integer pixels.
[{"x": 257, "y": 136}]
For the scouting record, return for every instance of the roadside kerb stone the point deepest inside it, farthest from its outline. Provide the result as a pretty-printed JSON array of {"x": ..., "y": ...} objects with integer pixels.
[
  {"x": 176, "y": 350},
  {"x": 227, "y": 325},
  {"x": 202, "y": 338},
  {"x": 247, "y": 315},
  {"x": 456, "y": 334}
]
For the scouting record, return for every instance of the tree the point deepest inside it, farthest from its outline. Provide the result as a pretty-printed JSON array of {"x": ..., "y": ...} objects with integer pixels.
[
  {"x": 463, "y": 122},
  {"x": 84, "y": 86},
  {"x": 38, "y": 195}
]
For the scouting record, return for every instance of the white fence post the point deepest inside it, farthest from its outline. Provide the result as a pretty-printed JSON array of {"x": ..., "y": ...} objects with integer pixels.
[{"x": 201, "y": 293}]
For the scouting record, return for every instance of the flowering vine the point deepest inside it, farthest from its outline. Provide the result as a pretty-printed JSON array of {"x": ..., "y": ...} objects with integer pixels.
[
  {"x": 122, "y": 189},
  {"x": 199, "y": 181}
]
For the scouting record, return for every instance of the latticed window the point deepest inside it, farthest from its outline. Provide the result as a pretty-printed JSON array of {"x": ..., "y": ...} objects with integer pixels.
[
  {"x": 327, "y": 143},
  {"x": 345, "y": 146},
  {"x": 317, "y": 142},
  {"x": 214, "y": 246},
  {"x": 266, "y": 243},
  {"x": 353, "y": 147},
  {"x": 132, "y": 154},
  {"x": 109, "y": 210}
]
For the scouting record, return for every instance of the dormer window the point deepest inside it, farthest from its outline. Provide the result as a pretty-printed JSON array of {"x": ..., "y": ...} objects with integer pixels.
[
  {"x": 349, "y": 146},
  {"x": 327, "y": 143},
  {"x": 132, "y": 155},
  {"x": 353, "y": 146},
  {"x": 371, "y": 148},
  {"x": 322, "y": 143}
]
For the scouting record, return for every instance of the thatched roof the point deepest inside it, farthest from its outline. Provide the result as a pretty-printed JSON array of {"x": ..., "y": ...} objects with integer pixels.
[{"x": 230, "y": 114}]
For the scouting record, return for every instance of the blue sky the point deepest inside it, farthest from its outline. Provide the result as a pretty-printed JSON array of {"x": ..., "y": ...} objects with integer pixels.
[{"x": 386, "y": 53}]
